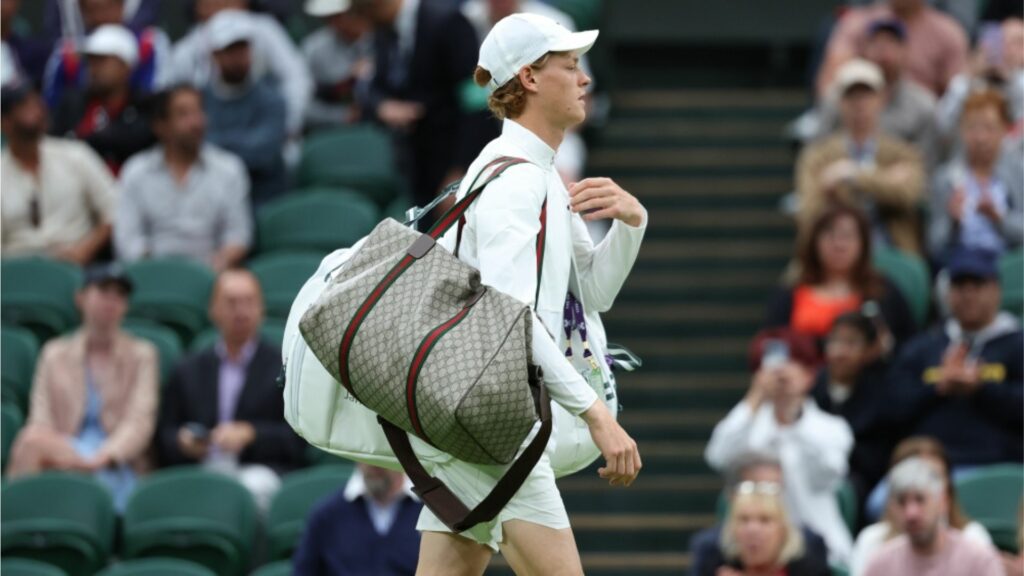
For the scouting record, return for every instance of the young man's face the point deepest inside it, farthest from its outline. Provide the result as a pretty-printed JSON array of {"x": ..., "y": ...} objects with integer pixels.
[
  {"x": 974, "y": 302},
  {"x": 562, "y": 90},
  {"x": 27, "y": 121},
  {"x": 107, "y": 74},
  {"x": 847, "y": 352},
  {"x": 185, "y": 125},
  {"x": 982, "y": 131},
  {"x": 234, "y": 62},
  {"x": 920, "y": 513},
  {"x": 860, "y": 108},
  {"x": 888, "y": 52}
]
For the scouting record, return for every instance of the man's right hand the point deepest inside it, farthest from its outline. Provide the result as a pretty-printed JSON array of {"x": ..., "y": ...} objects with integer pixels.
[
  {"x": 399, "y": 114},
  {"x": 622, "y": 458},
  {"x": 191, "y": 446}
]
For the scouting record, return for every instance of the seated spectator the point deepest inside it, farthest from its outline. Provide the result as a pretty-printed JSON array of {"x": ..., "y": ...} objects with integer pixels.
[
  {"x": 26, "y": 53},
  {"x": 760, "y": 538},
  {"x": 66, "y": 71},
  {"x": 936, "y": 44},
  {"x": 976, "y": 201},
  {"x": 94, "y": 396},
  {"x": 223, "y": 407},
  {"x": 852, "y": 385},
  {"x": 861, "y": 166},
  {"x": 873, "y": 537},
  {"x": 776, "y": 418},
  {"x": 909, "y": 112},
  {"x": 963, "y": 383},
  {"x": 367, "y": 529},
  {"x": 339, "y": 58},
  {"x": 998, "y": 64},
  {"x": 245, "y": 116},
  {"x": 752, "y": 469},
  {"x": 835, "y": 276},
  {"x": 58, "y": 198},
  {"x": 184, "y": 197},
  {"x": 928, "y": 547},
  {"x": 274, "y": 56},
  {"x": 107, "y": 114}
]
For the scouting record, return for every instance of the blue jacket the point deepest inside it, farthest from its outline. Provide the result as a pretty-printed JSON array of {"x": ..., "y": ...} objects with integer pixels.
[{"x": 983, "y": 428}]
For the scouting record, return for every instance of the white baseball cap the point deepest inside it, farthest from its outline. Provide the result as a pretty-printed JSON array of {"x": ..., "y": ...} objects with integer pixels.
[
  {"x": 323, "y": 8},
  {"x": 113, "y": 40},
  {"x": 857, "y": 72},
  {"x": 229, "y": 27},
  {"x": 521, "y": 39}
]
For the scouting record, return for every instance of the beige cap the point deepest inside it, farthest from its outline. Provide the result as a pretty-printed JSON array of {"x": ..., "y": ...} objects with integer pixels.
[{"x": 857, "y": 72}]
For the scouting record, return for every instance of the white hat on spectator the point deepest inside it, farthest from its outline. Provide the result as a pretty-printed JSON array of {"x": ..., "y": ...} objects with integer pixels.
[
  {"x": 229, "y": 27},
  {"x": 857, "y": 72},
  {"x": 324, "y": 8},
  {"x": 113, "y": 40},
  {"x": 521, "y": 39}
]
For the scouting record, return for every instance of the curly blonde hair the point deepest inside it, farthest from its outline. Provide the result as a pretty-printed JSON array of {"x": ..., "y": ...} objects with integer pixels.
[{"x": 509, "y": 100}]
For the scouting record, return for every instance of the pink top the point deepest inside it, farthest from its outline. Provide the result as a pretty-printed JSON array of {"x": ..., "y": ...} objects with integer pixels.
[
  {"x": 959, "y": 557},
  {"x": 937, "y": 47}
]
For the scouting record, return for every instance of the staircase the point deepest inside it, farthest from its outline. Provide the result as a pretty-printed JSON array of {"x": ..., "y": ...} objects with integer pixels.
[{"x": 710, "y": 166}]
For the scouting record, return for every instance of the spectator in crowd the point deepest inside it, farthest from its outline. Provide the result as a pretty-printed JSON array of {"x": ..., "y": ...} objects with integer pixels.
[
  {"x": 835, "y": 276},
  {"x": 58, "y": 198},
  {"x": 274, "y": 55},
  {"x": 863, "y": 166},
  {"x": 928, "y": 546},
  {"x": 852, "y": 385},
  {"x": 184, "y": 197},
  {"x": 936, "y": 44},
  {"x": 94, "y": 396},
  {"x": 909, "y": 112},
  {"x": 963, "y": 383},
  {"x": 997, "y": 64},
  {"x": 223, "y": 406},
  {"x": 24, "y": 54},
  {"x": 339, "y": 56},
  {"x": 107, "y": 113},
  {"x": 65, "y": 70},
  {"x": 138, "y": 15},
  {"x": 760, "y": 538},
  {"x": 706, "y": 553},
  {"x": 978, "y": 201},
  {"x": 873, "y": 538},
  {"x": 425, "y": 54},
  {"x": 246, "y": 116},
  {"x": 777, "y": 418},
  {"x": 367, "y": 529}
]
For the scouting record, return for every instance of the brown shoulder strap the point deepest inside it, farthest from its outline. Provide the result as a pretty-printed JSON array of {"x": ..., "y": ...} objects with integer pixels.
[{"x": 439, "y": 498}]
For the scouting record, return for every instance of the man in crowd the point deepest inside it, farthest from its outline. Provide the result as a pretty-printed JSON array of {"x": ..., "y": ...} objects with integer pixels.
[
  {"x": 107, "y": 112},
  {"x": 246, "y": 116},
  {"x": 223, "y": 406},
  {"x": 339, "y": 56},
  {"x": 936, "y": 44},
  {"x": 367, "y": 529},
  {"x": 928, "y": 546},
  {"x": 184, "y": 197},
  {"x": 963, "y": 383},
  {"x": 862, "y": 166},
  {"x": 58, "y": 198},
  {"x": 777, "y": 418}
]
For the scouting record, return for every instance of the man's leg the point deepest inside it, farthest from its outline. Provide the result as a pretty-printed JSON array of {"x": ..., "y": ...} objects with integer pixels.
[
  {"x": 446, "y": 554},
  {"x": 536, "y": 550}
]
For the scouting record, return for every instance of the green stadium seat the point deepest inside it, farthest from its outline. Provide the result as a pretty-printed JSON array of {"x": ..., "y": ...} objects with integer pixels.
[
  {"x": 847, "y": 497},
  {"x": 910, "y": 275},
  {"x": 174, "y": 292},
  {"x": 63, "y": 519},
  {"x": 11, "y": 421},
  {"x": 279, "y": 568},
  {"x": 157, "y": 567},
  {"x": 281, "y": 277},
  {"x": 1011, "y": 273},
  {"x": 192, "y": 514},
  {"x": 992, "y": 496},
  {"x": 19, "y": 349},
  {"x": 299, "y": 492},
  {"x": 167, "y": 342},
  {"x": 39, "y": 294},
  {"x": 586, "y": 14},
  {"x": 318, "y": 223},
  {"x": 357, "y": 157},
  {"x": 26, "y": 567},
  {"x": 396, "y": 209},
  {"x": 272, "y": 331}
]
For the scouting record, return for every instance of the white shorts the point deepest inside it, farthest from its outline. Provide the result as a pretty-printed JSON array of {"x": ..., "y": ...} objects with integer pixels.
[{"x": 537, "y": 501}]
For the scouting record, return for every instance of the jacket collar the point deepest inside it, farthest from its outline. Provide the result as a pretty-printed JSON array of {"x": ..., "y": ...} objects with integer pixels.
[
  {"x": 1005, "y": 323},
  {"x": 536, "y": 151}
]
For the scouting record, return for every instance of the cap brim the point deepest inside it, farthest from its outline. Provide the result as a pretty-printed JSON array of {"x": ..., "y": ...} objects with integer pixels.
[
  {"x": 325, "y": 9},
  {"x": 579, "y": 42}
]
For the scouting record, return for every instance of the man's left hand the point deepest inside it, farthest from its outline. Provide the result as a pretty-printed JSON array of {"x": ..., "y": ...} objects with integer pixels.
[
  {"x": 233, "y": 437},
  {"x": 600, "y": 198}
]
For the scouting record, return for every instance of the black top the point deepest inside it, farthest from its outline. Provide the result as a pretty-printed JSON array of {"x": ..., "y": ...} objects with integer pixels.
[{"x": 123, "y": 136}]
